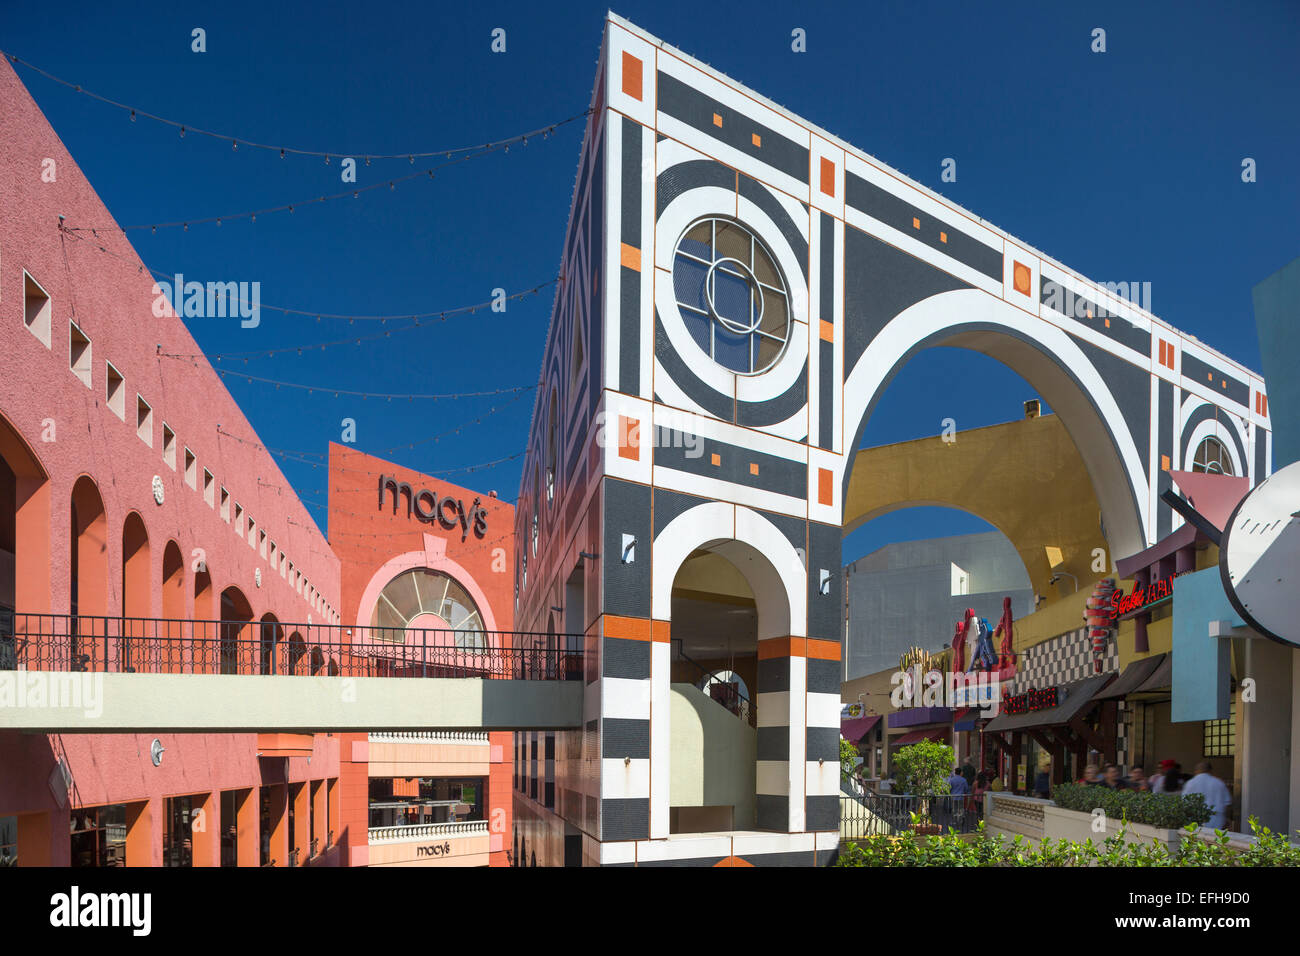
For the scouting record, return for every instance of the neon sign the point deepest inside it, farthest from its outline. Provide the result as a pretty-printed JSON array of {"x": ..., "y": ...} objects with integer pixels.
[
  {"x": 1032, "y": 700},
  {"x": 1140, "y": 598}
]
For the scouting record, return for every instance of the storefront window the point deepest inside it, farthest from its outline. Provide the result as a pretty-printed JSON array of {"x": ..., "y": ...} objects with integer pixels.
[
  {"x": 1221, "y": 735},
  {"x": 427, "y": 599},
  {"x": 178, "y": 845},
  {"x": 98, "y": 836}
]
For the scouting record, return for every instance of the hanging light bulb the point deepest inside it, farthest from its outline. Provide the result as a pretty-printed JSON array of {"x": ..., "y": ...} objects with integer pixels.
[
  {"x": 182, "y": 132},
  {"x": 133, "y": 116}
]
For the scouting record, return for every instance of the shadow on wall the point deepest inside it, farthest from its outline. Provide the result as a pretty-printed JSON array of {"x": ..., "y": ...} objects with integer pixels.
[{"x": 713, "y": 770}]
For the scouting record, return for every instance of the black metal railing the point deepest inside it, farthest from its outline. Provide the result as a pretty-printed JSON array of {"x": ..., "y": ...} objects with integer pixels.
[
  {"x": 64, "y": 642},
  {"x": 726, "y": 693},
  {"x": 878, "y": 814}
]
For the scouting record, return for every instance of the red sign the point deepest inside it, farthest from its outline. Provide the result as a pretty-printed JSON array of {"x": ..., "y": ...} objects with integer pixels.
[
  {"x": 1031, "y": 700},
  {"x": 1122, "y": 604}
]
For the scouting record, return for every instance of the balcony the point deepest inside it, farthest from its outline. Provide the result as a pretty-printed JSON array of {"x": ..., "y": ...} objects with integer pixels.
[
  {"x": 123, "y": 675},
  {"x": 431, "y": 844},
  {"x": 126, "y": 645},
  {"x": 421, "y": 832}
]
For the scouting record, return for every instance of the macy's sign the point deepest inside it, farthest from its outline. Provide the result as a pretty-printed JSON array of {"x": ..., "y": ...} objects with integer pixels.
[{"x": 428, "y": 507}]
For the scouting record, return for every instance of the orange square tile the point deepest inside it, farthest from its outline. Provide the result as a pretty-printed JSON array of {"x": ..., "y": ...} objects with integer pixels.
[
  {"x": 828, "y": 177},
  {"x": 943, "y": 237},
  {"x": 753, "y": 468},
  {"x": 1020, "y": 276},
  {"x": 827, "y": 331},
  {"x": 1164, "y": 462},
  {"x": 632, "y": 76},
  {"x": 717, "y": 120},
  {"x": 1209, "y": 376},
  {"x": 824, "y": 489},
  {"x": 630, "y": 256},
  {"x": 757, "y": 140},
  {"x": 1108, "y": 323},
  {"x": 629, "y": 438},
  {"x": 715, "y": 459},
  {"x": 916, "y": 223}
]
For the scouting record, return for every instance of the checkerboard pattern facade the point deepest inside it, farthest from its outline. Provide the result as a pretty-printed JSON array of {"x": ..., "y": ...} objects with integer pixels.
[{"x": 1067, "y": 658}]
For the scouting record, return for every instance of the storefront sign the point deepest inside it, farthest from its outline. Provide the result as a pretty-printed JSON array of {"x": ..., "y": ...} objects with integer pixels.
[
  {"x": 436, "y": 849},
  {"x": 1141, "y": 598},
  {"x": 429, "y": 508},
  {"x": 1032, "y": 700}
]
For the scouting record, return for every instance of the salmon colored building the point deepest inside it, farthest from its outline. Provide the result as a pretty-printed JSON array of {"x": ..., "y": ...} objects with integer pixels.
[{"x": 146, "y": 531}]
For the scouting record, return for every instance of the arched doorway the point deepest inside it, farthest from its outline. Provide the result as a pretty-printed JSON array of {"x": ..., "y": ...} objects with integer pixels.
[
  {"x": 425, "y": 622},
  {"x": 173, "y": 636},
  {"x": 236, "y": 655},
  {"x": 24, "y": 538},
  {"x": 88, "y": 572},
  {"x": 137, "y": 593},
  {"x": 714, "y": 630},
  {"x": 272, "y": 634},
  {"x": 731, "y": 585}
]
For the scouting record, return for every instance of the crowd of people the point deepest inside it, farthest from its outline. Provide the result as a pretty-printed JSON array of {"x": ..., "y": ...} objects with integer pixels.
[{"x": 1169, "y": 779}]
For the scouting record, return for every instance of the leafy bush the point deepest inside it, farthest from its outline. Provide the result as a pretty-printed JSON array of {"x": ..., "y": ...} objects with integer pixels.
[
  {"x": 1169, "y": 811},
  {"x": 980, "y": 849},
  {"x": 922, "y": 768},
  {"x": 849, "y": 757}
]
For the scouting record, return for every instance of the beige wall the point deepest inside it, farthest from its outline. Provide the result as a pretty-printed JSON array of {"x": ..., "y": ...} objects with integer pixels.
[
  {"x": 713, "y": 756},
  {"x": 460, "y": 851},
  {"x": 428, "y": 760}
]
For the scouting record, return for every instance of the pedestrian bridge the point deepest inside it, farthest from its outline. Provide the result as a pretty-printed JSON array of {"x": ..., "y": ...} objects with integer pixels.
[{"x": 65, "y": 673}]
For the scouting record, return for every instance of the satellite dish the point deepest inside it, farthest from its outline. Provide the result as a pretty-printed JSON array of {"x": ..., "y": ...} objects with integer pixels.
[{"x": 1259, "y": 557}]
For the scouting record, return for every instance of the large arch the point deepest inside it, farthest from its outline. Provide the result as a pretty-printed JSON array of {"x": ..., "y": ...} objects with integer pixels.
[
  {"x": 137, "y": 594},
  {"x": 174, "y": 632},
  {"x": 771, "y": 566},
  {"x": 88, "y": 574},
  {"x": 1049, "y": 360},
  {"x": 235, "y": 654},
  {"x": 25, "y": 532}
]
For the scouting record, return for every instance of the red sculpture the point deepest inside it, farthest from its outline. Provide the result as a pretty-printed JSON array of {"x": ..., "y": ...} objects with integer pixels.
[
  {"x": 1005, "y": 649},
  {"x": 959, "y": 649}
]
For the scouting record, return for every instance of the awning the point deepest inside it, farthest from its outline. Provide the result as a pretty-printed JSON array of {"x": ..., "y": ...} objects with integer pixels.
[
  {"x": 854, "y": 729},
  {"x": 1134, "y": 676},
  {"x": 1162, "y": 678},
  {"x": 965, "y": 719},
  {"x": 938, "y": 734},
  {"x": 1078, "y": 695}
]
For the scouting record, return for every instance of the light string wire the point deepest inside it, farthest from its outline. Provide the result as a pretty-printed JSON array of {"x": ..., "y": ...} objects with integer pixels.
[
  {"x": 237, "y": 141},
  {"x": 355, "y": 393},
  {"x": 440, "y": 314}
]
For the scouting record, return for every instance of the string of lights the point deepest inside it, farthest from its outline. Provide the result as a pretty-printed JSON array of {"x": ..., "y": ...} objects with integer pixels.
[
  {"x": 238, "y": 141},
  {"x": 439, "y": 314},
  {"x": 354, "y": 393},
  {"x": 351, "y": 340}
]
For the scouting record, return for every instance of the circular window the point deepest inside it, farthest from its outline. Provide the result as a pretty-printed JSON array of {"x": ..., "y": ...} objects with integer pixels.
[
  {"x": 1212, "y": 457},
  {"x": 421, "y": 599},
  {"x": 732, "y": 296}
]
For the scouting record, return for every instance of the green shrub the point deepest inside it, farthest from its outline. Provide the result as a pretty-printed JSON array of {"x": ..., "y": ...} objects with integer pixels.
[
  {"x": 980, "y": 849},
  {"x": 922, "y": 768},
  {"x": 1169, "y": 811}
]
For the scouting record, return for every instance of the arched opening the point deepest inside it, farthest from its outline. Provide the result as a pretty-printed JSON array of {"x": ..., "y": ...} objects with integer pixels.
[
  {"x": 207, "y": 610},
  {"x": 271, "y": 634},
  {"x": 235, "y": 655},
  {"x": 24, "y": 538},
  {"x": 1100, "y": 401},
  {"x": 137, "y": 594},
  {"x": 174, "y": 625},
  {"x": 714, "y": 758},
  {"x": 296, "y": 661},
  {"x": 88, "y": 573},
  {"x": 318, "y": 661},
  {"x": 424, "y": 622}
]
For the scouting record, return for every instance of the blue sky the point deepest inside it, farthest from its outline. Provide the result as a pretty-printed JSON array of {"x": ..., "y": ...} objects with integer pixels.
[{"x": 1124, "y": 165}]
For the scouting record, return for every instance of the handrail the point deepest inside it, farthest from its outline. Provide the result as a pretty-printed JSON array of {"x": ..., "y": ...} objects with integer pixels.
[
  {"x": 420, "y": 831},
  {"x": 429, "y": 736},
  {"x": 744, "y": 709},
  {"x": 65, "y": 642}
]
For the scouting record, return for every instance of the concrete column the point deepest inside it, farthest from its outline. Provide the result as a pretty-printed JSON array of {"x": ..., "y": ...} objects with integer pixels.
[{"x": 1265, "y": 723}]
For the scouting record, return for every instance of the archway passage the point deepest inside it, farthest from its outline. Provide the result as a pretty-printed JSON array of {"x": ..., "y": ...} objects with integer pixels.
[
  {"x": 137, "y": 594},
  {"x": 174, "y": 634},
  {"x": 25, "y": 508},
  {"x": 236, "y": 654},
  {"x": 714, "y": 755}
]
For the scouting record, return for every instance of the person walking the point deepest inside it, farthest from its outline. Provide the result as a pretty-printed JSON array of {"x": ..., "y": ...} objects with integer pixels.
[
  {"x": 1137, "y": 779},
  {"x": 957, "y": 785},
  {"x": 1215, "y": 792},
  {"x": 1169, "y": 779}
]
